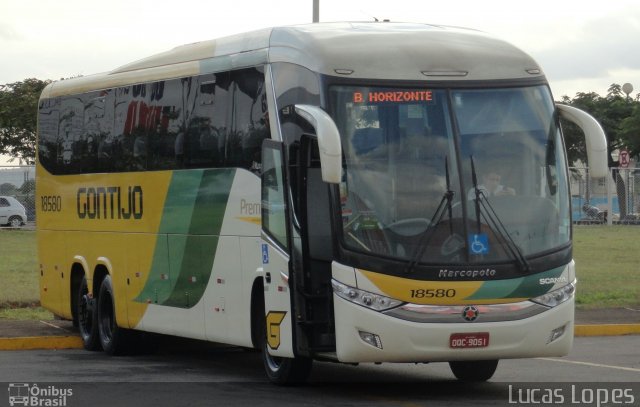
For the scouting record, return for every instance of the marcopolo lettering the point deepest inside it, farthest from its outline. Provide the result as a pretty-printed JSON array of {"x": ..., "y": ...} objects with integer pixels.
[
  {"x": 444, "y": 273},
  {"x": 110, "y": 202}
]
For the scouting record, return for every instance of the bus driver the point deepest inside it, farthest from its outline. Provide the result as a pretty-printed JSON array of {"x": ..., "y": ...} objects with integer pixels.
[{"x": 491, "y": 186}]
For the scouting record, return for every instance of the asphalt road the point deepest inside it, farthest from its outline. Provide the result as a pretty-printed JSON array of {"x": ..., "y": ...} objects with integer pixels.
[{"x": 192, "y": 374}]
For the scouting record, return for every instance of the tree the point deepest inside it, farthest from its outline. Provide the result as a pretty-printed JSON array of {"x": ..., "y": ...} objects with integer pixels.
[
  {"x": 7, "y": 189},
  {"x": 619, "y": 116},
  {"x": 18, "y": 118}
]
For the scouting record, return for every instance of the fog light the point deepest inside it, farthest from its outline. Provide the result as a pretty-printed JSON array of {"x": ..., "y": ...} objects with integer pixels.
[
  {"x": 371, "y": 339},
  {"x": 556, "y": 333}
]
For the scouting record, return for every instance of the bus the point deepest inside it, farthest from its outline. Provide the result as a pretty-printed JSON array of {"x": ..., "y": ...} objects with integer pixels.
[{"x": 316, "y": 192}]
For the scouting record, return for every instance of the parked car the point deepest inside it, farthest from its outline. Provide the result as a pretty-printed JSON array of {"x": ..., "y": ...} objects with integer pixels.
[{"x": 12, "y": 212}]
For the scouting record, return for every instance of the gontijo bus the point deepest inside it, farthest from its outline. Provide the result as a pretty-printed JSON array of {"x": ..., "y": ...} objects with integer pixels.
[{"x": 316, "y": 191}]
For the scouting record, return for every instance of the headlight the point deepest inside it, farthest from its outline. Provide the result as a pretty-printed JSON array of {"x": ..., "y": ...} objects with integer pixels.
[
  {"x": 366, "y": 299},
  {"x": 557, "y": 297}
]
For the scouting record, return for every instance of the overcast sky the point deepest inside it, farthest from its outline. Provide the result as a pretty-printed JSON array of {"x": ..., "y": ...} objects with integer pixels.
[{"x": 582, "y": 46}]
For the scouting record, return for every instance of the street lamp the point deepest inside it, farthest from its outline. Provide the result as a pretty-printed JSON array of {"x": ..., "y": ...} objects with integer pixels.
[
  {"x": 316, "y": 11},
  {"x": 627, "y": 88}
]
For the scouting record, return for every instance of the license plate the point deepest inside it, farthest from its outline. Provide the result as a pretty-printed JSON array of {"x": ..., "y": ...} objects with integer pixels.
[{"x": 469, "y": 340}]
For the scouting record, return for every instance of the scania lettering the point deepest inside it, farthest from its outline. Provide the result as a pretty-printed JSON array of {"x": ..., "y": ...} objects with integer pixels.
[
  {"x": 283, "y": 190},
  {"x": 553, "y": 280}
]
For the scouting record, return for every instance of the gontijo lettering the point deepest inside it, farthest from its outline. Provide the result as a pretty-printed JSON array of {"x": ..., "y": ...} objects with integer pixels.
[{"x": 110, "y": 202}]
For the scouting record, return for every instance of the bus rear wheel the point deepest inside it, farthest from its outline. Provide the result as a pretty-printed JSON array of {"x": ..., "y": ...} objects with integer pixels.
[
  {"x": 87, "y": 317},
  {"x": 114, "y": 340},
  {"x": 474, "y": 370}
]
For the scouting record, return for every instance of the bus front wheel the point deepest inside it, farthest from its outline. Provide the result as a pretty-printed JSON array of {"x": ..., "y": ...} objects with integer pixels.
[
  {"x": 474, "y": 370},
  {"x": 281, "y": 371},
  {"x": 285, "y": 371}
]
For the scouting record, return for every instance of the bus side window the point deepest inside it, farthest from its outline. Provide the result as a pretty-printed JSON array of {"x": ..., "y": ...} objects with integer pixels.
[
  {"x": 274, "y": 208},
  {"x": 250, "y": 121}
]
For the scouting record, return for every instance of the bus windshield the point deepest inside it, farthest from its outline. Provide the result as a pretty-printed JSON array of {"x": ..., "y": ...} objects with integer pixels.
[{"x": 437, "y": 176}]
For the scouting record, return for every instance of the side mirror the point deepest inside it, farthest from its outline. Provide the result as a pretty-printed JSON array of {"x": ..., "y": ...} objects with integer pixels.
[
  {"x": 329, "y": 142},
  {"x": 594, "y": 136}
]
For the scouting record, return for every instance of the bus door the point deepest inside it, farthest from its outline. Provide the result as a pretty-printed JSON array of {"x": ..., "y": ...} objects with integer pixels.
[
  {"x": 312, "y": 270},
  {"x": 276, "y": 251}
]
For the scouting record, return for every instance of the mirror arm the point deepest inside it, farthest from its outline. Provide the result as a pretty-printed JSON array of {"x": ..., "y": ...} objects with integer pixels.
[
  {"x": 329, "y": 143},
  {"x": 594, "y": 137}
]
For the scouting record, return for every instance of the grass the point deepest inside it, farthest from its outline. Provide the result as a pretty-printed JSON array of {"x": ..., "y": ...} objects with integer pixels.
[
  {"x": 19, "y": 286},
  {"x": 606, "y": 265}
]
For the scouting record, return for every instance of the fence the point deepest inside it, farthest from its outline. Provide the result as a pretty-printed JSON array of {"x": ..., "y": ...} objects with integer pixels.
[
  {"x": 19, "y": 182},
  {"x": 614, "y": 199}
]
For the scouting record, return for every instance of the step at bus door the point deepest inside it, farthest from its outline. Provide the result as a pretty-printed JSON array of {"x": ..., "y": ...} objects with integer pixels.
[{"x": 275, "y": 251}]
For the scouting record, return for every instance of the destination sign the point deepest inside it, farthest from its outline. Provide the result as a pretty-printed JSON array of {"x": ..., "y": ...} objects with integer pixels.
[{"x": 393, "y": 96}]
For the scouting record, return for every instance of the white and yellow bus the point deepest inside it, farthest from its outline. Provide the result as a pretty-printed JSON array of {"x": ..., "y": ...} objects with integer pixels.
[{"x": 317, "y": 191}]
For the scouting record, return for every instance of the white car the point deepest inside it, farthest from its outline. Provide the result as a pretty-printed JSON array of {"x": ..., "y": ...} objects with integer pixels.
[{"x": 12, "y": 212}]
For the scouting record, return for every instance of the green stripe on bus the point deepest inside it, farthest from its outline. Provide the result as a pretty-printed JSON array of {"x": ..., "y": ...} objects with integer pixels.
[
  {"x": 523, "y": 287},
  {"x": 202, "y": 241},
  {"x": 188, "y": 237},
  {"x": 531, "y": 287}
]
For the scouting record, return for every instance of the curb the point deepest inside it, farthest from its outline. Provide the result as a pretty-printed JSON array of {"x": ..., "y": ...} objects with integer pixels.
[
  {"x": 606, "y": 330},
  {"x": 75, "y": 342},
  {"x": 41, "y": 342}
]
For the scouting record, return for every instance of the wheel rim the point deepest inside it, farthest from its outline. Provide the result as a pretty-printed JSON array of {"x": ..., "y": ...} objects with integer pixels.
[
  {"x": 273, "y": 362},
  {"x": 15, "y": 222}
]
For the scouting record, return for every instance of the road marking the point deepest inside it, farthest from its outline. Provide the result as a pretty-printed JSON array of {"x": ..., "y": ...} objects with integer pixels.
[
  {"x": 51, "y": 325},
  {"x": 629, "y": 369}
]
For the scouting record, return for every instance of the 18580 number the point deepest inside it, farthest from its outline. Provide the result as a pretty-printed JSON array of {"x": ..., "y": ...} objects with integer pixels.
[
  {"x": 433, "y": 293},
  {"x": 51, "y": 203}
]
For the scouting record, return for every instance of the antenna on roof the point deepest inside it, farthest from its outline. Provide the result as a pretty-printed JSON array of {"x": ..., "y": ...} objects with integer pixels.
[{"x": 377, "y": 20}]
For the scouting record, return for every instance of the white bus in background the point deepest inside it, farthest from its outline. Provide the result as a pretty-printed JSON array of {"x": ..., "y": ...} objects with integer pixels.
[{"x": 317, "y": 191}]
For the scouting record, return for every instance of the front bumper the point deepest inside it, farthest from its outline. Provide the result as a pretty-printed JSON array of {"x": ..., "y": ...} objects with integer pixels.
[{"x": 408, "y": 341}]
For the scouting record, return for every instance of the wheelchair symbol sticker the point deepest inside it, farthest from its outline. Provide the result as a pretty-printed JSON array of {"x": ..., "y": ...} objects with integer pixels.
[{"x": 479, "y": 243}]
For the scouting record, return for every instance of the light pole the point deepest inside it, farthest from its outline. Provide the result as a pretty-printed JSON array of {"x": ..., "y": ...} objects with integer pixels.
[
  {"x": 316, "y": 11},
  {"x": 627, "y": 88}
]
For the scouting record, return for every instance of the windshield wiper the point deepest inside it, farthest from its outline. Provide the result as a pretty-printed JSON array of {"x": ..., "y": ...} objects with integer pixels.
[
  {"x": 484, "y": 208},
  {"x": 423, "y": 241}
]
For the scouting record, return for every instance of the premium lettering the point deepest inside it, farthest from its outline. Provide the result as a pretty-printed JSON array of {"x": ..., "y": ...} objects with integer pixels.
[{"x": 110, "y": 202}]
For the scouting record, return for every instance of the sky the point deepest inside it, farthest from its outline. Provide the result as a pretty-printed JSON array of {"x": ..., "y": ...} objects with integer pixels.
[{"x": 582, "y": 46}]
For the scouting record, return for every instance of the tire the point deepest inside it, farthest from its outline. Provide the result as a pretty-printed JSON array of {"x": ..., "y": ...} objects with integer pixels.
[
  {"x": 474, "y": 370},
  {"x": 286, "y": 371},
  {"x": 114, "y": 340},
  {"x": 281, "y": 371},
  {"x": 15, "y": 222},
  {"x": 87, "y": 314}
]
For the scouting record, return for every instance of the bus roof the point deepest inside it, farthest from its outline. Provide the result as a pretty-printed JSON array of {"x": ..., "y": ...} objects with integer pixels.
[{"x": 374, "y": 50}]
